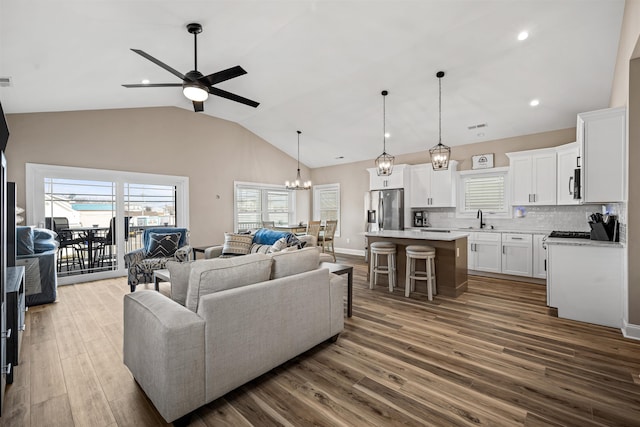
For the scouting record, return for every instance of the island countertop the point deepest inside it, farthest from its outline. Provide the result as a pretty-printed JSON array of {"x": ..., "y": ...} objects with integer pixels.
[{"x": 419, "y": 235}]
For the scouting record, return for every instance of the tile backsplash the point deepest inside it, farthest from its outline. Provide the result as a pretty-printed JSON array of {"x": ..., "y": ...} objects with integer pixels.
[{"x": 535, "y": 218}]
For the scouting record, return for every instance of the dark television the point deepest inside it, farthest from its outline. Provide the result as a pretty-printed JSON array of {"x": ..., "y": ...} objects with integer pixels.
[{"x": 4, "y": 130}]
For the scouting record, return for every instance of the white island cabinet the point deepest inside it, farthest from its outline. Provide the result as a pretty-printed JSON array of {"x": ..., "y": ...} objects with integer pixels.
[{"x": 584, "y": 280}]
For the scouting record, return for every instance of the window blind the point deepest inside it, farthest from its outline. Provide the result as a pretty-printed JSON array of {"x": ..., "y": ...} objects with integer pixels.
[{"x": 485, "y": 192}]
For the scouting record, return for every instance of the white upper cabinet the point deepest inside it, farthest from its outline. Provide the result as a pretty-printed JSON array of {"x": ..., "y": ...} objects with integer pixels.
[
  {"x": 601, "y": 136},
  {"x": 533, "y": 177},
  {"x": 397, "y": 179},
  {"x": 431, "y": 188},
  {"x": 568, "y": 162}
]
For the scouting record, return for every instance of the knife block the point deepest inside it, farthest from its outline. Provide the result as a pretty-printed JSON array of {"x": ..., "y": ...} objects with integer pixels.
[{"x": 605, "y": 232}]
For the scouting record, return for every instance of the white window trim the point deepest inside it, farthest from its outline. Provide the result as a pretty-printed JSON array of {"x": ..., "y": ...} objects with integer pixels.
[
  {"x": 34, "y": 183},
  {"x": 316, "y": 204},
  {"x": 493, "y": 171},
  {"x": 236, "y": 184}
]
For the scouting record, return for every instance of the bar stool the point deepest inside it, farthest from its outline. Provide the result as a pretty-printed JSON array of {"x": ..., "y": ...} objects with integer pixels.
[
  {"x": 378, "y": 249},
  {"x": 427, "y": 253}
]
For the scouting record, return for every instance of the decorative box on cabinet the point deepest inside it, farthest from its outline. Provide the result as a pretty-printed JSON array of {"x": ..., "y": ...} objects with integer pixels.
[
  {"x": 568, "y": 162},
  {"x": 15, "y": 317},
  {"x": 397, "y": 179},
  {"x": 429, "y": 188},
  {"x": 533, "y": 177},
  {"x": 601, "y": 136}
]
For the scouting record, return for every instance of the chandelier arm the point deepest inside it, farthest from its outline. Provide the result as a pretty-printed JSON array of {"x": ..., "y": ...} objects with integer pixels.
[{"x": 439, "y": 110}]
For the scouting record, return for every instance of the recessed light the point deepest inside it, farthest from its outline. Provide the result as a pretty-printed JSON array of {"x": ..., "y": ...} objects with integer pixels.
[
  {"x": 523, "y": 35},
  {"x": 534, "y": 103},
  {"x": 145, "y": 81},
  {"x": 387, "y": 135}
]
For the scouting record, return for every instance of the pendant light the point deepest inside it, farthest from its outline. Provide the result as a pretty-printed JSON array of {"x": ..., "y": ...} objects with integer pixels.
[
  {"x": 298, "y": 184},
  {"x": 440, "y": 153},
  {"x": 384, "y": 162}
]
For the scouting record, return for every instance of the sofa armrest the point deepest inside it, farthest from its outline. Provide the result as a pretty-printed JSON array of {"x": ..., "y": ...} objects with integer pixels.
[
  {"x": 133, "y": 257},
  {"x": 164, "y": 349},
  {"x": 213, "y": 252},
  {"x": 183, "y": 253}
]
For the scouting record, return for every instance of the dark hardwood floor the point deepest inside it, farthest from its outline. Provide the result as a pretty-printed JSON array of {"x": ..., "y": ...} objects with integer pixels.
[{"x": 493, "y": 356}]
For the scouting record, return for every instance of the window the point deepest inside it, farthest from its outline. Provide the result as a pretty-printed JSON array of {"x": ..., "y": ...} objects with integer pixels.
[
  {"x": 255, "y": 203},
  {"x": 326, "y": 203},
  {"x": 485, "y": 190},
  {"x": 89, "y": 203}
]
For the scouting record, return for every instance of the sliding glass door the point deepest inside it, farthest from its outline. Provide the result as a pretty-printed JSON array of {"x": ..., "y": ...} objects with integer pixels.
[{"x": 100, "y": 215}]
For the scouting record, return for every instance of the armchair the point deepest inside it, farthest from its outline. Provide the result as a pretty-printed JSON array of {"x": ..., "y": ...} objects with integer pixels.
[
  {"x": 36, "y": 250},
  {"x": 159, "y": 247}
]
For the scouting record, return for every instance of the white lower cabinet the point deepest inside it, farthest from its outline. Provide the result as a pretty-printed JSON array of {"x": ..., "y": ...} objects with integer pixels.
[
  {"x": 517, "y": 254},
  {"x": 484, "y": 252},
  {"x": 539, "y": 257}
]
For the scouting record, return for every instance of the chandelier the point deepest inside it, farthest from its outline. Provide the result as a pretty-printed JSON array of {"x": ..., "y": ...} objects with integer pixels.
[
  {"x": 384, "y": 162},
  {"x": 440, "y": 153},
  {"x": 298, "y": 184}
]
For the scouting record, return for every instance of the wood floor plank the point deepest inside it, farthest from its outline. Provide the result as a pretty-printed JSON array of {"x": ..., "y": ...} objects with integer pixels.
[{"x": 496, "y": 355}]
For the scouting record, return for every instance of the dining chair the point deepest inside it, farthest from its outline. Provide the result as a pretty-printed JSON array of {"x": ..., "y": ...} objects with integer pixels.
[
  {"x": 68, "y": 242},
  {"x": 313, "y": 229},
  {"x": 326, "y": 241}
]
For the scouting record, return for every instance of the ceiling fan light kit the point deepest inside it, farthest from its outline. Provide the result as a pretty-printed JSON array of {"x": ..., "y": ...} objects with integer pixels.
[
  {"x": 195, "y": 86},
  {"x": 440, "y": 153},
  {"x": 297, "y": 184},
  {"x": 384, "y": 162}
]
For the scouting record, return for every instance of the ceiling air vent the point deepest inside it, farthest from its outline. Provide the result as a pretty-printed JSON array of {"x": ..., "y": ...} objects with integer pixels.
[
  {"x": 478, "y": 126},
  {"x": 5, "y": 81}
]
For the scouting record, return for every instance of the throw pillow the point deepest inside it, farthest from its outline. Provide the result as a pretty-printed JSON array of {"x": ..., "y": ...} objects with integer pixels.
[
  {"x": 260, "y": 249},
  {"x": 265, "y": 236},
  {"x": 292, "y": 240},
  {"x": 24, "y": 240},
  {"x": 237, "y": 244},
  {"x": 179, "y": 272},
  {"x": 279, "y": 245},
  {"x": 163, "y": 245}
]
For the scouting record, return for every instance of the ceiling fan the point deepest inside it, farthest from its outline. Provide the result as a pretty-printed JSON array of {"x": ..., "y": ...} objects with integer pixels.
[{"x": 195, "y": 86}]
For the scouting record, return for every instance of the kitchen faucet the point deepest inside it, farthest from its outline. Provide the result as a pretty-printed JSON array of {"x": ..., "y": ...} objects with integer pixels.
[{"x": 479, "y": 215}]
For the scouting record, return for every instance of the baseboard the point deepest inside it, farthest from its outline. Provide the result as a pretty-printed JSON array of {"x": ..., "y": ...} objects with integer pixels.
[
  {"x": 346, "y": 251},
  {"x": 525, "y": 279},
  {"x": 630, "y": 331}
]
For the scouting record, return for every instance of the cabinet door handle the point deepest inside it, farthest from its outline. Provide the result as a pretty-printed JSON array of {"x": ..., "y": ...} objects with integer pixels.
[
  {"x": 570, "y": 186},
  {"x": 578, "y": 161},
  {"x": 516, "y": 238},
  {"x": 545, "y": 265},
  {"x": 503, "y": 250}
]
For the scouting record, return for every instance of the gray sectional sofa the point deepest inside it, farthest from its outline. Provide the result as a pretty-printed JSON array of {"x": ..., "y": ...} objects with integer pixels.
[{"x": 241, "y": 317}]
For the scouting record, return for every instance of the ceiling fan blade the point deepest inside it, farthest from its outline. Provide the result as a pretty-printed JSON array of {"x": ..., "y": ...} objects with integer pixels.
[
  {"x": 223, "y": 75},
  {"x": 159, "y": 63},
  {"x": 155, "y": 85},
  {"x": 232, "y": 96}
]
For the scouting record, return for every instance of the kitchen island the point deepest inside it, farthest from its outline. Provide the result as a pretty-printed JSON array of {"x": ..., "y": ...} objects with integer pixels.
[{"x": 451, "y": 256}]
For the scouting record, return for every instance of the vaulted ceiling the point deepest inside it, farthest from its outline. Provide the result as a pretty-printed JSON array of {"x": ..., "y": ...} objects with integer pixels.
[{"x": 319, "y": 66}]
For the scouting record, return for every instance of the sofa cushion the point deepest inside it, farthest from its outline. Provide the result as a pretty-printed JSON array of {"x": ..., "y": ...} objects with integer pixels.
[
  {"x": 265, "y": 236},
  {"x": 24, "y": 241},
  {"x": 179, "y": 272},
  {"x": 163, "y": 245},
  {"x": 287, "y": 263},
  {"x": 237, "y": 244},
  {"x": 212, "y": 275}
]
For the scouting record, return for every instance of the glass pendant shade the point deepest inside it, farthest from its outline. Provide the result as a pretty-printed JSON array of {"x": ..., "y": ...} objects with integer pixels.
[
  {"x": 298, "y": 184},
  {"x": 384, "y": 162},
  {"x": 440, "y": 153}
]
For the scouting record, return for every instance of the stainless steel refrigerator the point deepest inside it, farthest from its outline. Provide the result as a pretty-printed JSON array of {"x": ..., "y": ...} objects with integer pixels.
[{"x": 389, "y": 206}]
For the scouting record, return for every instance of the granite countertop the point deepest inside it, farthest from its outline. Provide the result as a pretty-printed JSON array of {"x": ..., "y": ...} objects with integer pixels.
[
  {"x": 485, "y": 230},
  {"x": 446, "y": 236},
  {"x": 583, "y": 242}
]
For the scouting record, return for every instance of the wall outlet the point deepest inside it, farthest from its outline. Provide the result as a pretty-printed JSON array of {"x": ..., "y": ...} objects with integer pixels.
[{"x": 348, "y": 240}]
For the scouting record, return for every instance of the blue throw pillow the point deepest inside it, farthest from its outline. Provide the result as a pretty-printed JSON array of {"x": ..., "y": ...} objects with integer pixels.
[
  {"x": 44, "y": 240},
  {"x": 24, "y": 241},
  {"x": 265, "y": 236}
]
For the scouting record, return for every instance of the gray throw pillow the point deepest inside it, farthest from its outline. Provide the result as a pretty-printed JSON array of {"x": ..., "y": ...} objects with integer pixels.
[
  {"x": 179, "y": 272},
  {"x": 237, "y": 244}
]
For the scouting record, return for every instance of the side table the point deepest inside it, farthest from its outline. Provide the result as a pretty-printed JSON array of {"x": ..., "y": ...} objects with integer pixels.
[
  {"x": 342, "y": 269},
  {"x": 161, "y": 276},
  {"x": 15, "y": 316}
]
